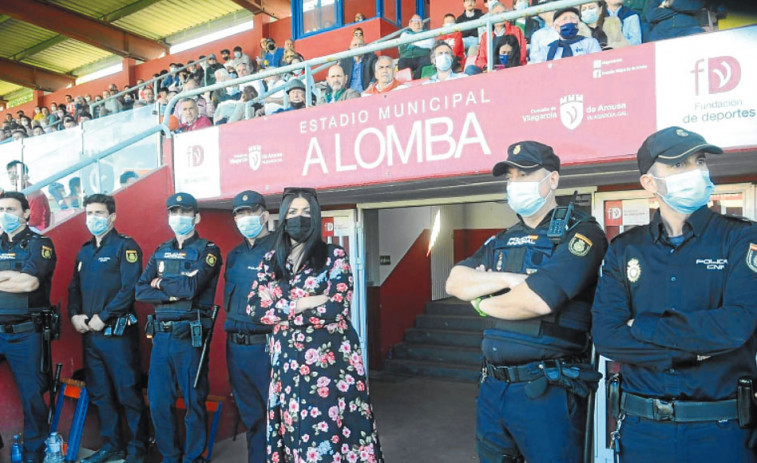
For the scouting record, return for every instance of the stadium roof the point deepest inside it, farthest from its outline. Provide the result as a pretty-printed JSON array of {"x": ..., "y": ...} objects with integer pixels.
[{"x": 49, "y": 43}]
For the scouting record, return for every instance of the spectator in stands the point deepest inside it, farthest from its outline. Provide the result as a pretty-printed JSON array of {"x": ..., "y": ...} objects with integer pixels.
[
  {"x": 507, "y": 52},
  {"x": 289, "y": 45},
  {"x": 337, "y": 90},
  {"x": 455, "y": 41},
  {"x": 593, "y": 16},
  {"x": 296, "y": 92},
  {"x": 442, "y": 57},
  {"x": 239, "y": 57},
  {"x": 630, "y": 20},
  {"x": 128, "y": 177},
  {"x": 359, "y": 17},
  {"x": 202, "y": 103},
  {"x": 148, "y": 96},
  {"x": 358, "y": 32},
  {"x": 26, "y": 123},
  {"x": 18, "y": 134},
  {"x": 69, "y": 122},
  {"x": 212, "y": 66},
  {"x": 263, "y": 50},
  {"x": 9, "y": 116},
  {"x": 18, "y": 174},
  {"x": 529, "y": 24},
  {"x": 470, "y": 13},
  {"x": 225, "y": 57},
  {"x": 565, "y": 23},
  {"x": 38, "y": 113},
  {"x": 84, "y": 117},
  {"x": 359, "y": 68},
  {"x": 111, "y": 105},
  {"x": 500, "y": 29},
  {"x": 47, "y": 116},
  {"x": 385, "y": 81},
  {"x": 70, "y": 104},
  {"x": 273, "y": 54},
  {"x": 244, "y": 70},
  {"x": 541, "y": 39},
  {"x": 60, "y": 113},
  {"x": 37, "y": 130},
  {"x": 224, "y": 94},
  {"x": 415, "y": 55},
  {"x": 191, "y": 116},
  {"x": 673, "y": 18},
  {"x": 81, "y": 107}
]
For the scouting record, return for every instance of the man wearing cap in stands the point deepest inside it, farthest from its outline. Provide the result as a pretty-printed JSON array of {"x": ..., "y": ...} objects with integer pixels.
[
  {"x": 675, "y": 306},
  {"x": 569, "y": 43},
  {"x": 536, "y": 280},
  {"x": 246, "y": 356},
  {"x": 180, "y": 281}
]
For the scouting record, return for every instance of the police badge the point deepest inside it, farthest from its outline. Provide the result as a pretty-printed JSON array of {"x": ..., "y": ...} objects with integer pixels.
[
  {"x": 633, "y": 270},
  {"x": 580, "y": 245},
  {"x": 751, "y": 257}
]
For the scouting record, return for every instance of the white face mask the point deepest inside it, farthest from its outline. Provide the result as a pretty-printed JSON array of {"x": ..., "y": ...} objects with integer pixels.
[
  {"x": 525, "y": 198},
  {"x": 443, "y": 62}
]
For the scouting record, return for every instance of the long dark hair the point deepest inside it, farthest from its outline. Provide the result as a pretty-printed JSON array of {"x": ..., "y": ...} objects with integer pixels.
[
  {"x": 315, "y": 252},
  {"x": 514, "y": 56}
]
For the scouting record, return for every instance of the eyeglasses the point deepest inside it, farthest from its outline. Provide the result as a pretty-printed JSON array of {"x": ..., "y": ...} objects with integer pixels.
[{"x": 296, "y": 191}]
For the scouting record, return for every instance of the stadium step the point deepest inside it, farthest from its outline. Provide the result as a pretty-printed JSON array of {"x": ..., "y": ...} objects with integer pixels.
[
  {"x": 437, "y": 353},
  {"x": 452, "y": 371}
]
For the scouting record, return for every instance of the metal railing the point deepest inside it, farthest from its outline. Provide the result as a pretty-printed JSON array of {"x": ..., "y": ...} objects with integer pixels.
[{"x": 310, "y": 66}]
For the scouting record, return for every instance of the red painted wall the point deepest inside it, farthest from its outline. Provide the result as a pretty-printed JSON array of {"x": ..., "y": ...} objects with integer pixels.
[
  {"x": 467, "y": 242},
  {"x": 403, "y": 296}
]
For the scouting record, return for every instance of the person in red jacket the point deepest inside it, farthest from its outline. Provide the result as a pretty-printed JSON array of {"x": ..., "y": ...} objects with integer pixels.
[
  {"x": 500, "y": 29},
  {"x": 455, "y": 39},
  {"x": 40, "y": 217},
  {"x": 192, "y": 118}
]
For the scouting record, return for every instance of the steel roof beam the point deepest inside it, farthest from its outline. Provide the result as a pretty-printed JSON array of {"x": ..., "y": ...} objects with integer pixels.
[
  {"x": 254, "y": 7},
  {"x": 34, "y": 77},
  {"x": 84, "y": 29}
]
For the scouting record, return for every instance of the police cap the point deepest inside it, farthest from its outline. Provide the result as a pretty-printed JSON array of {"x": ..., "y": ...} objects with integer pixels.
[
  {"x": 183, "y": 200},
  {"x": 528, "y": 155},
  {"x": 247, "y": 198},
  {"x": 671, "y": 146}
]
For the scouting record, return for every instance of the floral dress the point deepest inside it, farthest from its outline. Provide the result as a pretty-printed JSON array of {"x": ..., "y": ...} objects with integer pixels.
[{"x": 318, "y": 405}]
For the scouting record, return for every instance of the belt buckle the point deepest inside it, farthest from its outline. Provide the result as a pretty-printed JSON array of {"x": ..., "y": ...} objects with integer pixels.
[{"x": 663, "y": 410}]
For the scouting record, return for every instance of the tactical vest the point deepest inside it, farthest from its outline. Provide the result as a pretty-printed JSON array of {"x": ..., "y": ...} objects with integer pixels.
[
  {"x": 238, "y": 285},
  {"x": 14, "y": 259},
  {"x": 171, "y": 262},
  {"x": 522, "y": 250}
]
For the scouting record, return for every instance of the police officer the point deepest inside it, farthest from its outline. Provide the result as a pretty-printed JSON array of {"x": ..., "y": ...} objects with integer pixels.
[
  {"x": 246, "y": 356},
  {"x": 101, "y": 305},
  {"x": 180, "y": 280},
  {"x": 27, "y": 262},
  {"x": 676, "y": 306},
  {"x": 538, "y": 291}
]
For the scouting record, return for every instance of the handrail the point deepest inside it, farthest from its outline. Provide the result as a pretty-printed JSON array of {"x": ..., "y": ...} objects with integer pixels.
[
  {"x": 91, "y": 160},
  {"x": 488, "y": 21},
  {"x": 144, "y": 84}
]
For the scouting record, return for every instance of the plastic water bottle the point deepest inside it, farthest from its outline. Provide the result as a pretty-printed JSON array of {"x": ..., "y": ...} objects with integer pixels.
[
  {"x": 54, "y": 449},
  {"x": 17, "y": 450}
]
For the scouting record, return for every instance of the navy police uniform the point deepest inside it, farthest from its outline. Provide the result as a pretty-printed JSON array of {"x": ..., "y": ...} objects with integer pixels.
[
  {"x": 189, "y": 275},
  {"x": 692, "y": 302},
  {"x": 20, "y": 340},
  {"x": 103, "y": 284},
  {"x": 248, "y": 362},
  {"x": 521, "y": 412}
]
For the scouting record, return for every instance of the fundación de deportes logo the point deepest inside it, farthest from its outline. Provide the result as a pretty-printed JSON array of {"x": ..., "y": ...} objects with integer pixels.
[
  {"x": 195, "y": 155},
  {"x": 723, "y": 74},
  {"x": 571, "y": 110},
  {"x": 254, "y": 157}
]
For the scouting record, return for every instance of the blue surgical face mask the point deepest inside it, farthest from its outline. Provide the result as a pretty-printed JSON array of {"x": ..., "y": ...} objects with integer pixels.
[
  {"x": 688, "y": 191},
  {"x": 443, "y": 62},
  {"x": 237, "y": 54},
  {"x": 97, "y": 225},
  {"x": 249, "y": 226},
  {"x": 232, "y": 91},
  {"x": 524, "y": 197},
  {"x": 233, "y": 75},
  {"x": 590, "y": 16},
  {"x": 503, "y": 59},
  {"x": 9, "y": 222},
  {"x": 568, "y": 30},
  {"x": 181, "y": 224}
]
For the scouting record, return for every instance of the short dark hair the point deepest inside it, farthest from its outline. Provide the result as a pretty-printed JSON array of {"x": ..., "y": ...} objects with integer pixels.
[
  {"x": 225, "y": 51},
  {"x": 449, "y": 15},
  {"x": 18, "y": 196},
  {"x": 237, "y": 48},
  {"x": 99, "y": 198},
  {"x": 15, "y": 163}
]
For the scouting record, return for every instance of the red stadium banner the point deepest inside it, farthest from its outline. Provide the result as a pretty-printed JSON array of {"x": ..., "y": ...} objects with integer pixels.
[{"x": 591, "y": 109}]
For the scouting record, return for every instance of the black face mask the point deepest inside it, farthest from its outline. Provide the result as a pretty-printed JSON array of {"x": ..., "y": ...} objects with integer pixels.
[
  {"x": 298, "y": 228},
  {"x": 299, "y": 105},
  {"x": 271, "y": 46}
]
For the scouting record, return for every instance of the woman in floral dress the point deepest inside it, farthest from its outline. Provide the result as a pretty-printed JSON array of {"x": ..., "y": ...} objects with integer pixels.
[{"x": 318, "y": 404}]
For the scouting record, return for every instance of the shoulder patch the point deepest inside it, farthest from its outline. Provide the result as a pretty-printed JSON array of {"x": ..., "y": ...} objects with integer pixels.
[
  {"x": 751, "y": 257},
  {"x": 579, "y": 245},
  {"x": 131, "y": 256},
  {"x": 211, "y": 260},
  {"x": 633, "y": 270},
  {"x": 47, "y": 252}
]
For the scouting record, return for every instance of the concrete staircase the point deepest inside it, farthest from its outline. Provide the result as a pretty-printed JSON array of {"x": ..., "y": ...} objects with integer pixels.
[{"x": 445, "y": 342}]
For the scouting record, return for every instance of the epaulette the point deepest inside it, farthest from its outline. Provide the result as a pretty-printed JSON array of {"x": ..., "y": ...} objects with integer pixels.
[{"x": 738, "y": 218}]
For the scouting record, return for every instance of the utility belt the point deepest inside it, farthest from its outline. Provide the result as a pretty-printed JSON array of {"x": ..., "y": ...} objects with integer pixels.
[
  {"x": 578, "y": 378},
  {"x": 117, "y": 327},
  {"x": 195, "y": 330},
  {"x": 683, "y": 411},
  {"x": 542, "y": 328},
  {"x": 19, "y": 328},
  {"x": 246, "y": 339}
]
